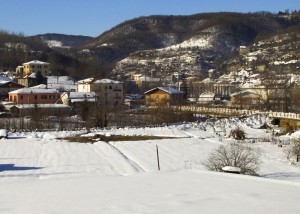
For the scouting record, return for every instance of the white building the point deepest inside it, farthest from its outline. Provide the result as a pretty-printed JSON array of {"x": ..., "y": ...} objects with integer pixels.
[{"x": 110, "y": 92}]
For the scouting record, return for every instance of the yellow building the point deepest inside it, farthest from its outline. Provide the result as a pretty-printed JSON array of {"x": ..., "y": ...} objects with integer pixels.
[
  {"x": 164, "y": 96},
  {"x": 34, "y": 66}
]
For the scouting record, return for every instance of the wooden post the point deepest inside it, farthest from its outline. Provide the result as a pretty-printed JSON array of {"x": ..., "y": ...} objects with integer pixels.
[{"x": 157, "y": 158}]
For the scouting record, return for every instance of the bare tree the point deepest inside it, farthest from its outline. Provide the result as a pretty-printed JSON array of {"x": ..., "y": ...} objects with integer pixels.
[
  {"x": 244, "y": 157},
  {"x": 294, "y": 149}
]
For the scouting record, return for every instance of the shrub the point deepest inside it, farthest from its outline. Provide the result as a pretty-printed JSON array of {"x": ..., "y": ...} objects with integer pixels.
[
  {"x": 244, "y": 157},
  {"x": 293, "y": 150},
  {"x": 238, "y": 133}
]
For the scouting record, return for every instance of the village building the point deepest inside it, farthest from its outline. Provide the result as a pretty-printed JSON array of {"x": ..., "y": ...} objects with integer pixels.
[
  {"x": 245, "y": 99},
  {"x": 77, "y": 99},
  {"x": 7, "y": 85},
  {"x": 34, "y": 66},
  {"x": 207, "y": 98},
  {"x": 164, "y": 96},
  {"x": 110, "y": 93},
  {"x": 134, "y": 100},
  {"x": 43, "y": 110},
  {"x": 34, "y": 96},
  {"x": 145, "y": 82},
  {"x": 62, "y": 83},
  {"x": 32, "y": 79}
]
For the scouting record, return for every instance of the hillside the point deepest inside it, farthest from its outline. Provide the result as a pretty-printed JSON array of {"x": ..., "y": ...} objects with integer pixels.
[
  {"x": 54, "y": 40},
  {"x": 276, "y": 54},
  {"x": 183, "y": 43},
  {"x": 165, "y": 44},
  {"x": 15, "y": 49}
]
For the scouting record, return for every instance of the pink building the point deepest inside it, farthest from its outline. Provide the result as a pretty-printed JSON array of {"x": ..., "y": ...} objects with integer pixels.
[{"x": 34, "y": 96}]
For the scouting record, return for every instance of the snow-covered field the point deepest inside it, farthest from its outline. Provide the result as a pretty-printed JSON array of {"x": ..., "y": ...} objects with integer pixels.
[{"x": 42, "y": 174}]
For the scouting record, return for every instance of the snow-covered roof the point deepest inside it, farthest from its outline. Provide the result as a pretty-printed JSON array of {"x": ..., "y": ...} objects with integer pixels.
[
  {"x": 60, "y": 79},
  {"x": 107, "y": 81},
  {"x": 87, "y": 80},
  {"x": 4, "y": 82},
  {"x": 254, "y": 75},
  {"x": 207, "y": 80},
  {"x": 36, "y": 62},
  {"x": 133, "y": 96},
  {"x": 39, "y": 86},
  {"x": 29, "y": 106},
  {"x": 169, "y": 90},
  {"x": 207, "y": 94},
  {"x": 4, "y": 79},
  {"x": 93, "y": 80},
  {"x": 34, "y": 91},
  {"x": 32, "y": 75},
  {"x": 89, "y": 99},
  {"x": 149, "y": 79},
  {"x": 78, "y": 95},
  {"x": 245, "y": 93}
]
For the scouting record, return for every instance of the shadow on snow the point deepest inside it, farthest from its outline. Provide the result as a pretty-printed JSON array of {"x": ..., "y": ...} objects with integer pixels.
[{"x": 12, "y": 167}]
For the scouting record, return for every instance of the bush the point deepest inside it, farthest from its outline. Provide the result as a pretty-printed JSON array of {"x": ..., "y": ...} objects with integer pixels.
[
  {"x": 294, "y": 149},
  {"x": 238, "y": 133},
  {"x": 244, "y": 157}
]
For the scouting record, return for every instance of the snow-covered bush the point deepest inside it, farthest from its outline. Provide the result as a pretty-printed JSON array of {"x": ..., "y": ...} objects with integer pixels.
[
  {"x": 247, "y": 158},
  {"x": 293, "y": 150}
]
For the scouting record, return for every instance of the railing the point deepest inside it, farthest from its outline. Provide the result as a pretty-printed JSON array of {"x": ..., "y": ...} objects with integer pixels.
[{"x": 236, "y": 112}]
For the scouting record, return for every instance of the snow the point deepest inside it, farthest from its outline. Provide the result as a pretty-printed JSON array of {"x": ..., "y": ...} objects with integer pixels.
[
  {"x": 285, "y": 63},
  {"x": 40, "y": 173},
  {"x": 4, "y": 79},
  {"x": 55, "y": 44},
  {"x": 107, "y": 81},
  {"x": 34, "y": 91},
  {"x": 36, "y": 62},
  {"x": 3, "y": 133}
]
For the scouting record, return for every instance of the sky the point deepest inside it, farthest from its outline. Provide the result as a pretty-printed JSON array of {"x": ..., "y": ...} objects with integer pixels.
[{"x": 93, "y": 17}]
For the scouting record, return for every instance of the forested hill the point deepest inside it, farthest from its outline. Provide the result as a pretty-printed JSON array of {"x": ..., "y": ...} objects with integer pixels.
[
  {"x": 62, "y": 40},
  {"x": 193, "y": 43},
  {"x": 162, "y": 31}
]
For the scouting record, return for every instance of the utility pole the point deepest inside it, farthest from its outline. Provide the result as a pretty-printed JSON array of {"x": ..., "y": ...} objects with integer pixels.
[{"x": 158, "y": 166}]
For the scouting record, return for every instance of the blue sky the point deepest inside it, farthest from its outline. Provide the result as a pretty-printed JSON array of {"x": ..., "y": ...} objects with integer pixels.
[{"x": 92, "y": 17}]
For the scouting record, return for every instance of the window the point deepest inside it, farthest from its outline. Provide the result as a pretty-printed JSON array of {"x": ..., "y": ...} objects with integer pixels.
[
  {"x": 21, "y": 97},
  {"x": 110, "y": 87},
  {"x": 35, "y": 97},
  {"x": 44, "y": 97}
]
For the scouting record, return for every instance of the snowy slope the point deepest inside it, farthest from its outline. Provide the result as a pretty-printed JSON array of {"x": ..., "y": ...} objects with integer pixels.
[
  {"x": 42, "y": 174},
  {"x": 164, "y": 192}
]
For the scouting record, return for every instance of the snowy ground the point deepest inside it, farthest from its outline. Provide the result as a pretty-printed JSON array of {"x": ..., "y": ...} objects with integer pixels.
[{"x": 41, "y": 174}]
